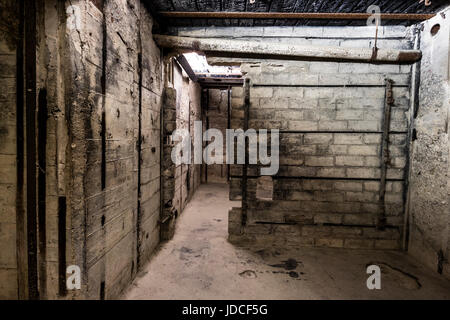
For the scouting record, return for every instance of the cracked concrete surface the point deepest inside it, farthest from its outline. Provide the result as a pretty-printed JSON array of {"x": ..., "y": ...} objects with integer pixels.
[{"x": 199, "y": 263}]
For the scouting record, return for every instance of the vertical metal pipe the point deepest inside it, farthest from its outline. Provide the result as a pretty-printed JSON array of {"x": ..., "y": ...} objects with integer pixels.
[
  {"x": 42, "y": 185},
  {"x": 20, "y": 109},
  {"x": 103, "y": 88},
  {"x": 139, "y": 155},
  {"x": 228, "y": 125},
  {"x": 207, "y": 128},
  {"x": 414, "y": 107},
  {"x": 30, "y": 105},
  {"x": 388, "y": 102},
  {"x": 245, "y": 167},
  {"x": 62, "y": 263}
]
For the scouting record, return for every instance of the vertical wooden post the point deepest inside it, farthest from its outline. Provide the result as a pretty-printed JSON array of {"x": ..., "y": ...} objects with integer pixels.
[{"x": 388, "y": 102}]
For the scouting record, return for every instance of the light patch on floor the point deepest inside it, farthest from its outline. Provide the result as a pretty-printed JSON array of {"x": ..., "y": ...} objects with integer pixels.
[{"x": 199, "y": 263}]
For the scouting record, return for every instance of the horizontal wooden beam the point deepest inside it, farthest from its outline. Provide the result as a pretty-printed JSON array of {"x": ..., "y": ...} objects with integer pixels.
[
  {"x": 187, "y": 67},
  {"x": 291, "y": 15},
  {"x": 220, "y": 82},
  {"x": 220, "y": 86},
  {"x": 221, "y": 79},
  {"x": 239, "y": 48}
]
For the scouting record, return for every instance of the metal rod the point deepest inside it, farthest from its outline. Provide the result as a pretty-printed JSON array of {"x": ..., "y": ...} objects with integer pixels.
[
  {"x": 207, "y": 128},
  {"x": 30, "y": 107},
  {"x": 139, "y": 152},
  {"x": 291, "y": 15},
  {"x": 228, "y": 124},
  {"x": 62, "y": 249},
  {"x": 337, "y": 131},
  {"x": 414, "y": 103},
  {"x": 328, "y": 85},
  {"x": 42, "y": 189},
  {"x": 237, "y": 176},
  {"x": 389, "y": 101},
  {"x": 244, "y": 170},
  {"x": 20, "y": 132}
]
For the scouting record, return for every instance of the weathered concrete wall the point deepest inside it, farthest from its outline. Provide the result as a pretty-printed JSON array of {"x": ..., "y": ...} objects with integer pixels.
[
  {"x": 217, "y": 113},
  {"x": 182, "y": 106},
  {"x": 152, "y": 91},
  {"x": 430, "y": 184},
  {"x": 8, "y": 151},
  {"x": 184, "y": 103},
  {"x": 326, "y": 192},
  {"x": 53, "y": 136},
  {"x": 112, "y": 93},
  {"x": 195, "y": 98}
]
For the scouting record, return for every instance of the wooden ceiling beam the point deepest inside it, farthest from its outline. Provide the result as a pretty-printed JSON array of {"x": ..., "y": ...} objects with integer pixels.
[
  {"x": 238, "y": 48},
  {"x": 187, "y": 67},
  {"x": 291, "y": 15}
]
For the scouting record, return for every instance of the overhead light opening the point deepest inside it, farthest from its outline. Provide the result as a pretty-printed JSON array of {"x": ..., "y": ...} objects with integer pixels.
[{"x": 202, "y": 69}]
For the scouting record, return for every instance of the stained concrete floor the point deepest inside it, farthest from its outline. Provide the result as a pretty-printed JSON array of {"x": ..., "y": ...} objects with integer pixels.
[{"x": 199, "y": 263}]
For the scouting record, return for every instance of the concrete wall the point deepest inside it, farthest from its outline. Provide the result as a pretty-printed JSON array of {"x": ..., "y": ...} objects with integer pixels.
[
  {"x": 330, "y": 118},
  {"x": 188, "y": 110},
  {"x": 182, "y": 106},
  {"x": 105, "y": 88},
  {"x": 8, "y": 152},
  {"x": 430, "y": 184},
  {"x": 113, "y": 227},
  {"x": 100, "y": 79},
  {"x": 54, "y": 136}
]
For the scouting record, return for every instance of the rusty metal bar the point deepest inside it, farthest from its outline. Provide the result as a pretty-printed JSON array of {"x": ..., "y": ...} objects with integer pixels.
[
  {"x": 207, "y": 128},
  {"x": 245, "y": 167},
  {"x": 62, "y": 246},
  {"x": 22, "y": 254},
  {"x": 414, "y": 104},
  {"x": 292, "y": 15},
  {"x": 42, "y": 114},
  {"x": 228, "y": 124},
  {"x": 30, "y": 107},
  {"x": 389, "y": 101}
]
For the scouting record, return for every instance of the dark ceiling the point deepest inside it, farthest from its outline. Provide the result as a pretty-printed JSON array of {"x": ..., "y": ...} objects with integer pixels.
[{"x": 288, "y": 6}]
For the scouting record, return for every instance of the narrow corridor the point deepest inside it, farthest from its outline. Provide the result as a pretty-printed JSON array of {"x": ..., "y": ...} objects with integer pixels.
[
  {"x": 224, "y": 150},
  {"x": 199, "y": 263}
]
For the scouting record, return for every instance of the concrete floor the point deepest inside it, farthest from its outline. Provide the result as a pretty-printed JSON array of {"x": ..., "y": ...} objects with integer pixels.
[{"x": 199, "y": 263}]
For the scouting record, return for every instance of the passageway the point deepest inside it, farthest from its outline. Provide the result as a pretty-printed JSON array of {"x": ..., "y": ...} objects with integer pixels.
[
  {"x": 199, "y": 263},
  {"x": 224, "y": 149}
]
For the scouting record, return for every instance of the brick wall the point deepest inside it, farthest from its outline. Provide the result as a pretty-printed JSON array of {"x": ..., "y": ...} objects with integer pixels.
[
  {"x": 217, "y": 113},
  {"x": 330, "y": 118}
]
